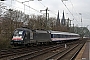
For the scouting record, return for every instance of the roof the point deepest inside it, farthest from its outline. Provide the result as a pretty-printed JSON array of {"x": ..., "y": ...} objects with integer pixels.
[
  {"x": 41, "y": 31},
  {"x": 63, "y": 33},
  {"x": 23, "y": 29}
]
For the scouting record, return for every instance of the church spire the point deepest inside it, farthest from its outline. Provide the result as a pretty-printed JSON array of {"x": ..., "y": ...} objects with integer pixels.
[
  {"x": 63, "y": 20},
  {"x": 58, "y": 20}
]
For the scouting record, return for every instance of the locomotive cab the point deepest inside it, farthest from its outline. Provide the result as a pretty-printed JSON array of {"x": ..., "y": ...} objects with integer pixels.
[
  {"x": 20, "y": 36},
  {"x": 17, "y": 37}
]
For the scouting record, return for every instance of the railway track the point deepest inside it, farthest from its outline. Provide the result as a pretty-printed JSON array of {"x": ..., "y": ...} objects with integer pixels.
[
  {"x": 68, "y": 54},
  {"x": 64, "y": 55},
  {"x": 8, "y": 53},
  {"x": 12, "y": 53},
  {"x": 34, "y": 54},
  {"x": 57, "y": 52},
  {"x": 43, "y": 54}
]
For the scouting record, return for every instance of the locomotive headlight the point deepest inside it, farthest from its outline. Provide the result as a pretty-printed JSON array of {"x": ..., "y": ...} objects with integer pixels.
[{"x": 22, "y": 39}]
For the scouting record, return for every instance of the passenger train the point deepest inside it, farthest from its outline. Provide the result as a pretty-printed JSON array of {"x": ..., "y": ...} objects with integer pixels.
[{"x": 25, "y": 36}]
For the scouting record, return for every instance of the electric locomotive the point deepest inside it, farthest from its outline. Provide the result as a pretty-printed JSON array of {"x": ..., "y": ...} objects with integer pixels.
[{"x": 24, "y": 36}]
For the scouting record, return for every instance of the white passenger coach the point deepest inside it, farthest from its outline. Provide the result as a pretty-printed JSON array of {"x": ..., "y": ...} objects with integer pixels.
[{"x": 59, "y": 36}]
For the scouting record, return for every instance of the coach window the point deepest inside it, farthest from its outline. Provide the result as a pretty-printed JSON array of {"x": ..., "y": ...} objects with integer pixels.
[
  {"x": 62, "y": 36},
  {"x": 66, "y": 36},
  {"x": 55, "y": 35},
  {"x": 52, "y": 35},
  {"x": 58, "y": 35}
]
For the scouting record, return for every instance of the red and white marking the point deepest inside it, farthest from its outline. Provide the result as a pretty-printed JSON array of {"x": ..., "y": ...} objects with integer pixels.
[{"x": 17, "y": 38}]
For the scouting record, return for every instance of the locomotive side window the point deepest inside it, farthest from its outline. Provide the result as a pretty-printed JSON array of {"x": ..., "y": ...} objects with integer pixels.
[
  {"x": 31, "y": 35},
  {"x": 27, "y": 35}
]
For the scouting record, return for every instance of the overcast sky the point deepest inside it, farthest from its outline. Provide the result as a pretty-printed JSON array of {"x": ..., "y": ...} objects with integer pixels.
[{"x": 74, "y": 6}]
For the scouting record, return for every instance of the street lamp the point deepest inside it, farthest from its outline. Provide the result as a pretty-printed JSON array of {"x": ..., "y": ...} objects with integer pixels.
[
  {"x": 46, "y": 15},
  {"x": 81, "y": 25},
  {"x": 81, "y": 18}
]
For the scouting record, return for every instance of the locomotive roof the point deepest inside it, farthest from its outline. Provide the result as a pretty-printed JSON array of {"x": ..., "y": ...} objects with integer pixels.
[
  {"x": 41, "y": 31},
  {"x": 63, "y": 33},
  {"x": 23, "y": 29},
  {"x": 37, "y": 31}
]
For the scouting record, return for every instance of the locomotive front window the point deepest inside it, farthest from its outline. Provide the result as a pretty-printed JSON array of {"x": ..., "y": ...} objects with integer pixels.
[{"x": 18, "y": 33}]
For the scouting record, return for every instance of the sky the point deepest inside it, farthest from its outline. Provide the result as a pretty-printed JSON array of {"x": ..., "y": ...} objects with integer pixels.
[{"x": 75, "y": 10}]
